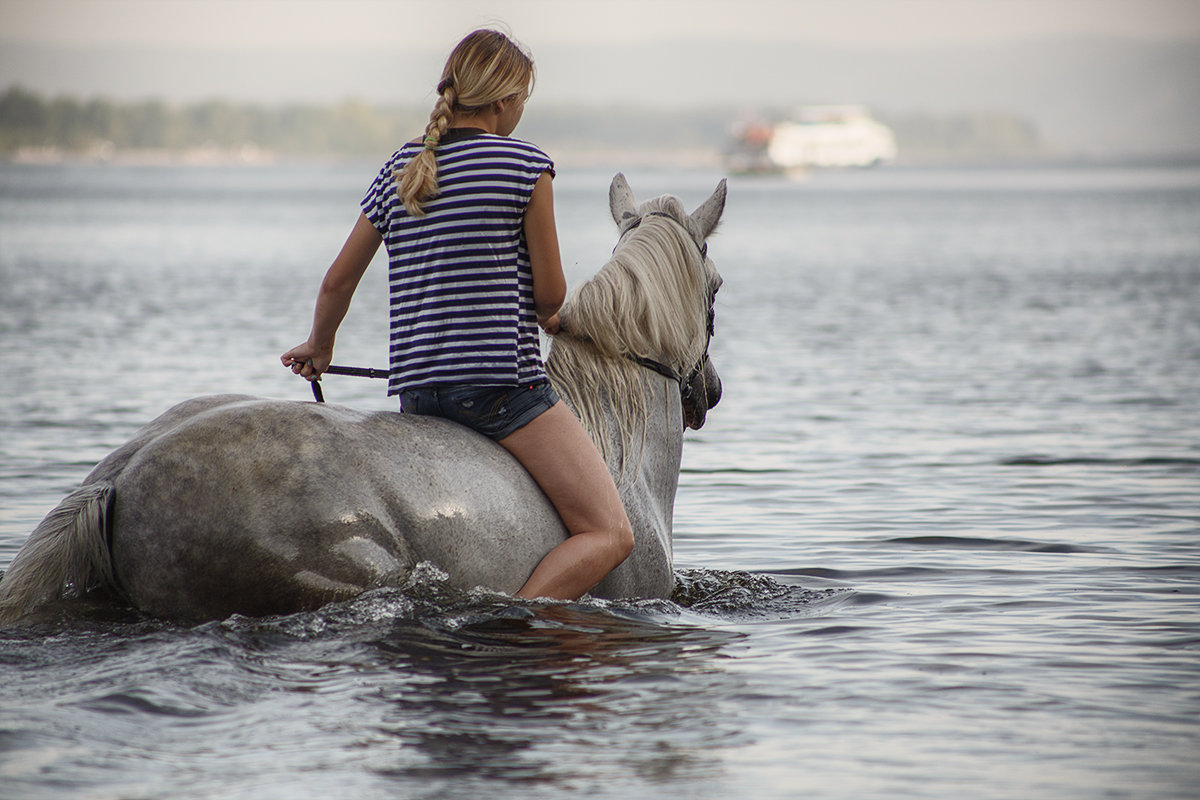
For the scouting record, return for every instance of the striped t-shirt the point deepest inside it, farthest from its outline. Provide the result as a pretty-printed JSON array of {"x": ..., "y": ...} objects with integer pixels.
[{"x": 459, "y": 277}]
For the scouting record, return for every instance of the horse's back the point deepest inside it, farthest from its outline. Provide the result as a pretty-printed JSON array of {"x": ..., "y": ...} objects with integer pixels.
[{"x": 253, "y": 506}]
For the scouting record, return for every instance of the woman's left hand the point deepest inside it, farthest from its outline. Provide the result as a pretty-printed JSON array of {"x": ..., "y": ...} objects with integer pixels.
[{"x": 552, "y": 325}]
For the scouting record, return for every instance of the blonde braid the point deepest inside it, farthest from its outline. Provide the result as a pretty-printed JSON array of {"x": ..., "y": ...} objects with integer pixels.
[
  {"x": 484, "y": 67},
  {"x": 418, "y": 180}
]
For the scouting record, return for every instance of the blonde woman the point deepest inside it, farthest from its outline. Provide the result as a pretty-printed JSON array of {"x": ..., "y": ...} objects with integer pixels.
[{"x": 467, "y": 215}]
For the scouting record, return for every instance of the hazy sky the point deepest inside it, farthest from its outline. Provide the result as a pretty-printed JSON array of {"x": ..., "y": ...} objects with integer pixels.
[
  {"x": 1065, "y": 64},
  {"x": 895, "y": 23}
]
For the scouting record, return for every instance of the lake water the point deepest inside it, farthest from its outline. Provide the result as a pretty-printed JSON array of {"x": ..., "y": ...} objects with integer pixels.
[{"x": 941, "y": 538}]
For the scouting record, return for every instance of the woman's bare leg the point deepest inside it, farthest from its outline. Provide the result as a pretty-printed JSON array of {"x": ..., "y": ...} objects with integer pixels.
[{"x": 561, "y": 457}]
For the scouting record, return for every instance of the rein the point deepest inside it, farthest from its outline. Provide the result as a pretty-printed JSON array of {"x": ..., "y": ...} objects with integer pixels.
[
  {"x": 356, "y": 372},
  {"x": 668, "y": 372}
]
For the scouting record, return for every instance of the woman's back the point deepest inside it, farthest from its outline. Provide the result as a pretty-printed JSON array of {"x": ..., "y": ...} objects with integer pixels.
[{"x": 460, "y": 277}]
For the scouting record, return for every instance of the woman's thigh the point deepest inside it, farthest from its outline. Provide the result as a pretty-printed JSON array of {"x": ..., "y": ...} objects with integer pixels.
[{"x": 557, "y": 451}]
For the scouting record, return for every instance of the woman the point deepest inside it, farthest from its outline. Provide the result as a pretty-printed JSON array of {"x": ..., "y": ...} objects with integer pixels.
[{"x": 474, "y": 268}]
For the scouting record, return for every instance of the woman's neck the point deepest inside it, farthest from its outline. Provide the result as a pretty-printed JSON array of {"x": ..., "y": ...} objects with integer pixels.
[{"x": 486, "y": 121}]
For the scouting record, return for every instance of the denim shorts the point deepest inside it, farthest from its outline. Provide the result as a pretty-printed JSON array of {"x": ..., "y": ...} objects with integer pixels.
[{"x": 494, "y": 411}]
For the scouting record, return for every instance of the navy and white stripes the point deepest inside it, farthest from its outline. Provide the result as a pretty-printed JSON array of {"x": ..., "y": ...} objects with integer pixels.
[{"x": 460, "y": 281}]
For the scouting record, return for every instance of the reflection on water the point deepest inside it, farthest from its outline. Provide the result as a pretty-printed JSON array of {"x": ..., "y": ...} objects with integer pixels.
[
  {"x": 437, "y": 689},
  {"x": 512, "y": 700}
]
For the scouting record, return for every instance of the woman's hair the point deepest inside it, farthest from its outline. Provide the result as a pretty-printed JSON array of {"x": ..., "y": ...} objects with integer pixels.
[{"x": 484, "y": 67}]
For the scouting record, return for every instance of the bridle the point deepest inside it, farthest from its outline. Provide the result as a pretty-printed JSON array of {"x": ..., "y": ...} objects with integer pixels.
[
  {"x": 668, "y": 372},
  {"x": 702, "y": 246}
]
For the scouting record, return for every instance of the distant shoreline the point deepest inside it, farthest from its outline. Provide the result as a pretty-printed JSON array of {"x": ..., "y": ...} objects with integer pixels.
[
  {"x": 565, "y": 158},
  {"x": 251, "y": 157},
  {"x": 37, "y": 129}
]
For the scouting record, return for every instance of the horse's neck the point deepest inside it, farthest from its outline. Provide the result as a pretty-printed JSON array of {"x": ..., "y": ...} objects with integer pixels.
[{"x": 647, "y": 469}]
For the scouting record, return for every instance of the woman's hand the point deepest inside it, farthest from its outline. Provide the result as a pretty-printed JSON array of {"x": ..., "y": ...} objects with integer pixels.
[
  {"x": 551, "y": 325},
  {"x": 308, "y": 361}
]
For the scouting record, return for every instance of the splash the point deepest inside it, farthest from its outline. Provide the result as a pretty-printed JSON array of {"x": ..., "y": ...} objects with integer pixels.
[{"x": 743, "y": 593}]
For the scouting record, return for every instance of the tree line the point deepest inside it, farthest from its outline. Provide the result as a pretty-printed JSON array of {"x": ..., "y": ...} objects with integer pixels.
[
  {"x": 354, "y": 128},
  {"x": 348, "y": 128}
]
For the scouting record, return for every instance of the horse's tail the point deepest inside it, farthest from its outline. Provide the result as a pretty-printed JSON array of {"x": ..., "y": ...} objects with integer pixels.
[{"x": 66, "y": 555}]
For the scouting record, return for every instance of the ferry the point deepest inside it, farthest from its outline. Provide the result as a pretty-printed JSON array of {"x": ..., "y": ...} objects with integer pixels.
[{"x": 816, "y": 137}]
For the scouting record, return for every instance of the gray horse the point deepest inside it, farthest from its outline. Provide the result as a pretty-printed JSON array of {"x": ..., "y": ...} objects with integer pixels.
[{"x": 233, "y": 504}]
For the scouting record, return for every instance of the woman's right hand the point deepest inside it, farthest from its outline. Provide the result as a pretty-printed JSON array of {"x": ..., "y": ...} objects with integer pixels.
[{"x": 308, "y": 361}]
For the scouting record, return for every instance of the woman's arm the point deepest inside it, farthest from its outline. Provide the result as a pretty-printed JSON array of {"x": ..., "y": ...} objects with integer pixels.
[
  {"x": 541, "y": 236},
  {"x": 333, "y": 301}
]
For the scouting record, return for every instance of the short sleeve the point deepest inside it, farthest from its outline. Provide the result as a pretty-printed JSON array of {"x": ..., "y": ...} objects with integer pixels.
[
  {"x": 377, "y": 203},
  {"x": 535, "y": 164},
  {"x": 542, "y": 163}
]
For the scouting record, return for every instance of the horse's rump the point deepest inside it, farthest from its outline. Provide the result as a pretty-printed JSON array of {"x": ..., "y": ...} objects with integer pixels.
[{"x": 260, "y": 506}]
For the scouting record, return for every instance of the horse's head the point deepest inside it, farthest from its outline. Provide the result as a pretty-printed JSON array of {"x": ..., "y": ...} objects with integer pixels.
[
  {"x": 648, "y": 310},
  {"x": 700, "y": 385}
]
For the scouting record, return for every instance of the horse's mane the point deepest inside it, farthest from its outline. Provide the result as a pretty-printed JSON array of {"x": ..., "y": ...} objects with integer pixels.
[{"x": 651, "y": 300}]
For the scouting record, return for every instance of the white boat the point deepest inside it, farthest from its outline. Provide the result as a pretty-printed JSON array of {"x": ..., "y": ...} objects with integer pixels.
[{"x": 817, "y": 136}]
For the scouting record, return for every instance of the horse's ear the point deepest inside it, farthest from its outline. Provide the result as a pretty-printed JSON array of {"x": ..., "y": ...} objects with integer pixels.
[
  {"x": 620, "y": 200},
  {"x": 708, "y": 214}
]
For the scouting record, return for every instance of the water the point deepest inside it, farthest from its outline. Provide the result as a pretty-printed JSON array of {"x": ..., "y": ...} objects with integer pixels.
[{"x": 938, "y": 541}]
